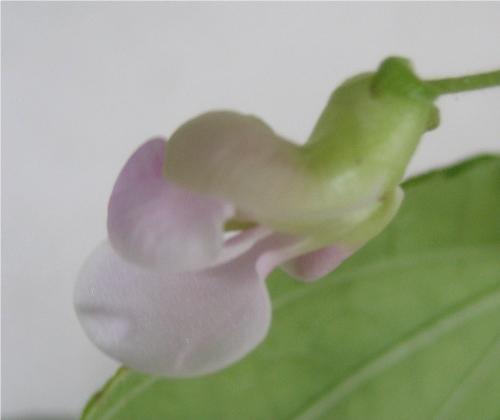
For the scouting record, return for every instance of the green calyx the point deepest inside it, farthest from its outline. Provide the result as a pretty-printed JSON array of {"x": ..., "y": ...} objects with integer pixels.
[
  {"x": 373, "y": 123},
  {"x": 363, "y": 141},
  {"x": 370, "y": 128}
]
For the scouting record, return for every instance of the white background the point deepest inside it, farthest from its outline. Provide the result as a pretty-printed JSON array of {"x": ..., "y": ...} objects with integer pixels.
[{"x": 84, "y": 84}]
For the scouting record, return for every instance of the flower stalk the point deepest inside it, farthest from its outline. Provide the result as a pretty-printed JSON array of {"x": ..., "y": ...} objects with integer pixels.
[{"x": 465, "y": 83}]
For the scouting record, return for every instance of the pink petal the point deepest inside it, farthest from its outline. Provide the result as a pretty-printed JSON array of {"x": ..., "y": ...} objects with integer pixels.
[
  {"x": 317, "y": 264},
  {"x": 302, "y": 258},
  {"x": 278, "y": 249},
  {"x": 156, "y": 223},
  {"x": 176, "y": 325}
]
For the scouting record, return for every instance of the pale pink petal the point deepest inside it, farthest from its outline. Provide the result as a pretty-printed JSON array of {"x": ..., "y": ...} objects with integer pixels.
[
  {"x": 279, "y": 248},
  {"x": 241, "y": 242},
  {"x": 177, "y": 325},
  {"x": 302, "y": 258},
  {"x": 155, "y": 223},
  {"x": 317, "y": 264}
]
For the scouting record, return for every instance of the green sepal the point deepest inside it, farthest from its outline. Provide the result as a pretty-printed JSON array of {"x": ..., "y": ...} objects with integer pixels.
[{"x": 371, "y": 127}]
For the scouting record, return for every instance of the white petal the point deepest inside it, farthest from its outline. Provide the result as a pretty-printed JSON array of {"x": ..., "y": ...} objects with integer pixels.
[
  {"x": 155, "y": 223},
  {"x": 240, "y": 159},
  {"x": 177, "y": 325}
]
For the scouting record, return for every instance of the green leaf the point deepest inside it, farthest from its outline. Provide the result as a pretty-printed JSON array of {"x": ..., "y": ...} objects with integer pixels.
[{"x": 408, "y": 328}]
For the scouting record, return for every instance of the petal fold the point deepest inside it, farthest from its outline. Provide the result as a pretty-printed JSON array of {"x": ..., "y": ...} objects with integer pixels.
[
  {"x": 302, "y": 258},
  {"x": 156, "y": 223}
]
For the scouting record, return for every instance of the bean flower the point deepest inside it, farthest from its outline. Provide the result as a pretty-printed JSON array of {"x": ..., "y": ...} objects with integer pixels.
[{"x": 172, "y": 292}]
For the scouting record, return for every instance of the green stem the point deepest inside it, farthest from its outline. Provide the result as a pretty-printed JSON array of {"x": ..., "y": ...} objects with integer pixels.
[{"x": 465, "y": 83}]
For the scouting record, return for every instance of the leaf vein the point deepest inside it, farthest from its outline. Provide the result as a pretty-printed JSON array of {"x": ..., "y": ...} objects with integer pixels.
[
  {"x": 467, "y": 381},
  {"x": 416, "y": 340}
]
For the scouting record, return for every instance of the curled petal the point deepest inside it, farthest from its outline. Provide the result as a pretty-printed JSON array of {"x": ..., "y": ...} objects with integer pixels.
[
  {"x": 279, "y": 249},
  {"x": 177, "y": 325},
  {"x": 302, "y": 258},
  {"x": 316, "y": 264},
  {"x": 155, "y": 223}
]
